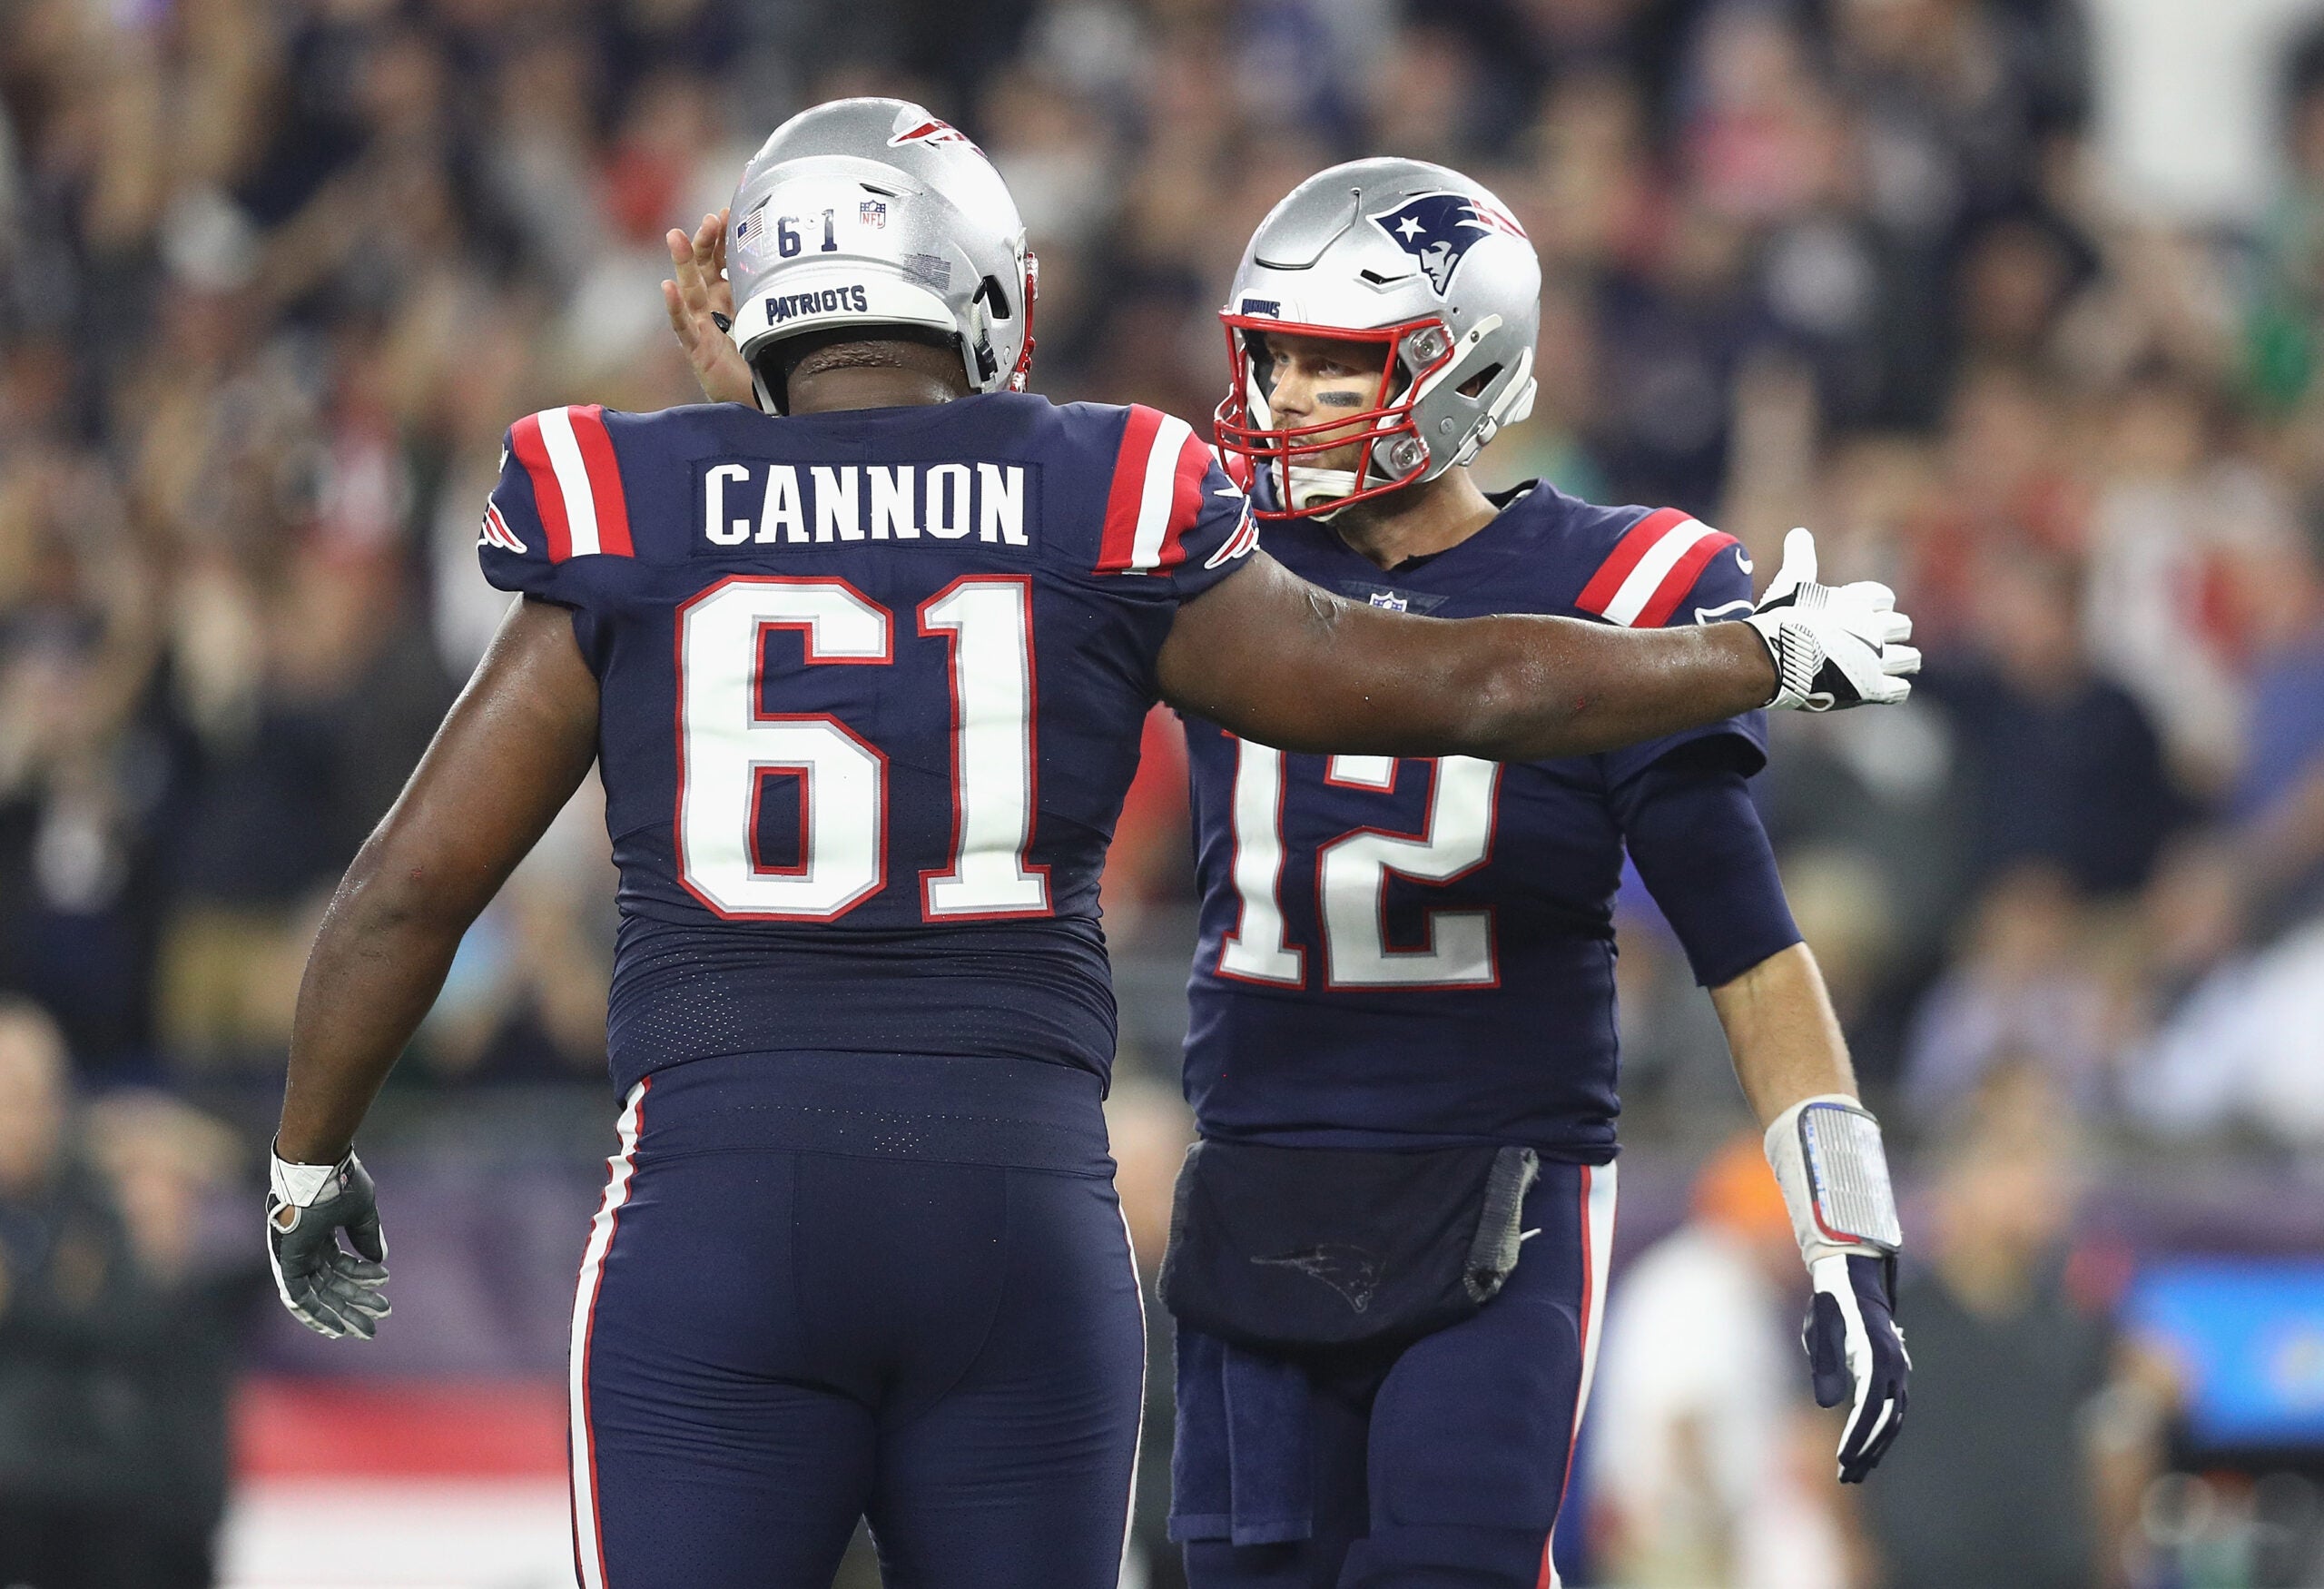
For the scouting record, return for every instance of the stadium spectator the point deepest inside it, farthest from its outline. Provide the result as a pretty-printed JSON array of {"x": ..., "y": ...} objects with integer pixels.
[
  {"x": 2059, "y": 764},
  {"x": 183, "y": 1339},
  {"x": 2024, "y": 988},
  {"x": 274, "y": 277},
  {"x": 1710, "y": 1466},
  {"x": 2000, "y": 1483},
  {"x": 68, "y": 1293}
]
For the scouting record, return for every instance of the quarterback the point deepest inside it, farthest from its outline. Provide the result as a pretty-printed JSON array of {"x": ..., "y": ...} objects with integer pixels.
[
  {"x": 864, "y": 675},
  {"x": 1402, "y": 1045}
]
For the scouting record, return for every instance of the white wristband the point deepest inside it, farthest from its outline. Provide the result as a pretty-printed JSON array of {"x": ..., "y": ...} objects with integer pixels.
[
  {"x": 1828, "y": 1159},
  {"x": 300, "y": 1185}
]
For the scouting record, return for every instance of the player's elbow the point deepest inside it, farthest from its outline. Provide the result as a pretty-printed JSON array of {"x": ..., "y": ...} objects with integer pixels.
[{"x": 398, "y": 889}]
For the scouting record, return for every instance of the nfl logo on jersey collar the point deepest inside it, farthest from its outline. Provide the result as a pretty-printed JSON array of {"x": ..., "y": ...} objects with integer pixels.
[{"x": 1391, "y": 601}]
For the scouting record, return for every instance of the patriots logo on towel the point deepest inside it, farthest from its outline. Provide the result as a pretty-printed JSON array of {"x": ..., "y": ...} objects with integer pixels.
[
  {"x": 1439, "y": 229},
  {"x": 1353, "y": 1271}
]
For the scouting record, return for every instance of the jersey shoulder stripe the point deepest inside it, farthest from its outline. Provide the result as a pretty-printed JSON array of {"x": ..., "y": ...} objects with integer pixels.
[
  {"x": 576, "y": 481},
  {"x": 1651, "y": 568},
  {"x": 1156, "y": 496}
]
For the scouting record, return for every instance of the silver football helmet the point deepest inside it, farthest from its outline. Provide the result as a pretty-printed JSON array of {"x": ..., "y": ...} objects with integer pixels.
[
  {"x": 871, "y": 213},
  {"x": 1431, "y": 275}
]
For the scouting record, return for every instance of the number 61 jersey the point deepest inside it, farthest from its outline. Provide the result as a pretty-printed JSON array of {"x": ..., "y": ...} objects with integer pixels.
[{"x": 871, "y": 685}]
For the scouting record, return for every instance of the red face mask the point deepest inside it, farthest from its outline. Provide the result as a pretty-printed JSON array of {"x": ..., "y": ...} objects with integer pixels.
[{"x": 1392, "y": 454}]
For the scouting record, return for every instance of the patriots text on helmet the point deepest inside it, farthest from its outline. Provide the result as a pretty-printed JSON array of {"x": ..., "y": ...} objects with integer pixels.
[
  {"x": 829, "y": 300},
  {"x": 761, "y": 504}
]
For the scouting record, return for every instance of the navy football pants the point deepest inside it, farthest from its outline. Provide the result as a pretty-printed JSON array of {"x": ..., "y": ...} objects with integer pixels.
[
  {"x": 929, "y": 1320},
  {"x": 1442, "y": 1465}
]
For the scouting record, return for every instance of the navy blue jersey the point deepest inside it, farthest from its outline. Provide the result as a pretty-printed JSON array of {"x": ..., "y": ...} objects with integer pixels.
[
  {"x": 872, "y": 689},
  {"x": 1422, "y": 952}
]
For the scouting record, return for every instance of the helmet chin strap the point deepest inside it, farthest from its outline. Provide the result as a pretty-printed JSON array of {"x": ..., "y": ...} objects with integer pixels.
[{"x": 1312, "y": 486}]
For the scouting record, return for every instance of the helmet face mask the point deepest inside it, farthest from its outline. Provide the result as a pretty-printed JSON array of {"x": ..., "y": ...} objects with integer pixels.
[
  {"x": 866, "y": 215},
  {"x": 1322, "y": 466},
  {"x": 1429, "y": 280}
]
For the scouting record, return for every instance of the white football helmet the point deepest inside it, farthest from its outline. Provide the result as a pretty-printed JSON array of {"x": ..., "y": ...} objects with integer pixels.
[
  {"x": 872, "y": 212},
  {"x": 1428, "y": 274}
]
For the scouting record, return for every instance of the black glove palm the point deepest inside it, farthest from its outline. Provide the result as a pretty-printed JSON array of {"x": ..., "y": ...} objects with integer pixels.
[{"x": 330, "y": 1289}]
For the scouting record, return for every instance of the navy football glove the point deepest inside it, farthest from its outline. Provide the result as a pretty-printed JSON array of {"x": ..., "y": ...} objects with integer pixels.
[
  {"x": 1855, "y": 1353},
  {"x": 330, "y": 1289},
  {"x": 1829, "y": 1161}
]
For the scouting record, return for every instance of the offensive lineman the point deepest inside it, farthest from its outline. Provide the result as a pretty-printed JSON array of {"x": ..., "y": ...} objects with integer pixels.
[{"x": 865, "y": 679}]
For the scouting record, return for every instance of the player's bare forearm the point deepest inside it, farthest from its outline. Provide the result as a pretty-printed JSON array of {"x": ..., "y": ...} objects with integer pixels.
[
  {"x": 1275, "y": 659},
  {"x": 1781, "y": 1028},
  {"x": 510, "y": 752}
]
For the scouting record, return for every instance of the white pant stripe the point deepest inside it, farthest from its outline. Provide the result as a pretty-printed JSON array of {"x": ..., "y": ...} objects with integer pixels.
[
  {"x": 588, "y": 1550},
  {"x": 1598, "y": 1184}
]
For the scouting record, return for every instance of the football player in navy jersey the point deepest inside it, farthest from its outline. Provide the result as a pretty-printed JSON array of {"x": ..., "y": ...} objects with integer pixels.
[
  {"x": 1407, "y": 960},
  {"x": 864, "y": 676},
  {"x": 1403, "y": 1001}
]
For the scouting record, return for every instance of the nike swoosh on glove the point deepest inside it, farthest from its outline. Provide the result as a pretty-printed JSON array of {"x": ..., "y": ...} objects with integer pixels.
[
  {"x": 1833, "y": 646},
  {"x": 332, "y": 1291},
  {"x": 1856, "y": 1354}
]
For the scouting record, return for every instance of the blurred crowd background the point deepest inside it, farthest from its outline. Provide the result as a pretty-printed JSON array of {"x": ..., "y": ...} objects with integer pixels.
[{"x": 2020, "y": 303}]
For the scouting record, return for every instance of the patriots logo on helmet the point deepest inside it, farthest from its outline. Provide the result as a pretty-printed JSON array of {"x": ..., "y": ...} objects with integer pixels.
[
  {"x": 1439, "y": 229},
  {"x": 932, "y": 130}
]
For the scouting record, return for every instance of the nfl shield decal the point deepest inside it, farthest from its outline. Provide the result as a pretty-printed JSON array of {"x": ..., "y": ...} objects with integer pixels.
[{"x": 1437, "y": 230}]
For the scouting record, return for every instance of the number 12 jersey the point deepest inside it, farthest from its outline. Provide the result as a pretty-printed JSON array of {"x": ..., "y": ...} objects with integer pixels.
[{"x": 1419, "y": 952}]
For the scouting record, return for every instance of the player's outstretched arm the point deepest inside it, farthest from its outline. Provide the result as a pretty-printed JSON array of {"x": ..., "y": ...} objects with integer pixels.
[
  {"x": 1272, "y": 659},
  {"x": 509, "y": 755}
]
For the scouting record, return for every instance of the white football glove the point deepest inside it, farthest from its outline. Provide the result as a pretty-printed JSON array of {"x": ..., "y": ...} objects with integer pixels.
[{"x": 1833, "y": 646}]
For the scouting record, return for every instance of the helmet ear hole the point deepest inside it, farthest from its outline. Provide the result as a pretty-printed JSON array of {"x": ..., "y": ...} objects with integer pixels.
[
  {"x": 1476, "y": 384},
  {"x": 995, "y": 298}
]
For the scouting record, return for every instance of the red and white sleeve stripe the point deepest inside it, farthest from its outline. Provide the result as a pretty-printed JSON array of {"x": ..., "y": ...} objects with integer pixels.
[
  {"x": 1156, "y": 496},
  {"x": 1651, "y": 568},
  {"x": 577, "y": 482}
]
